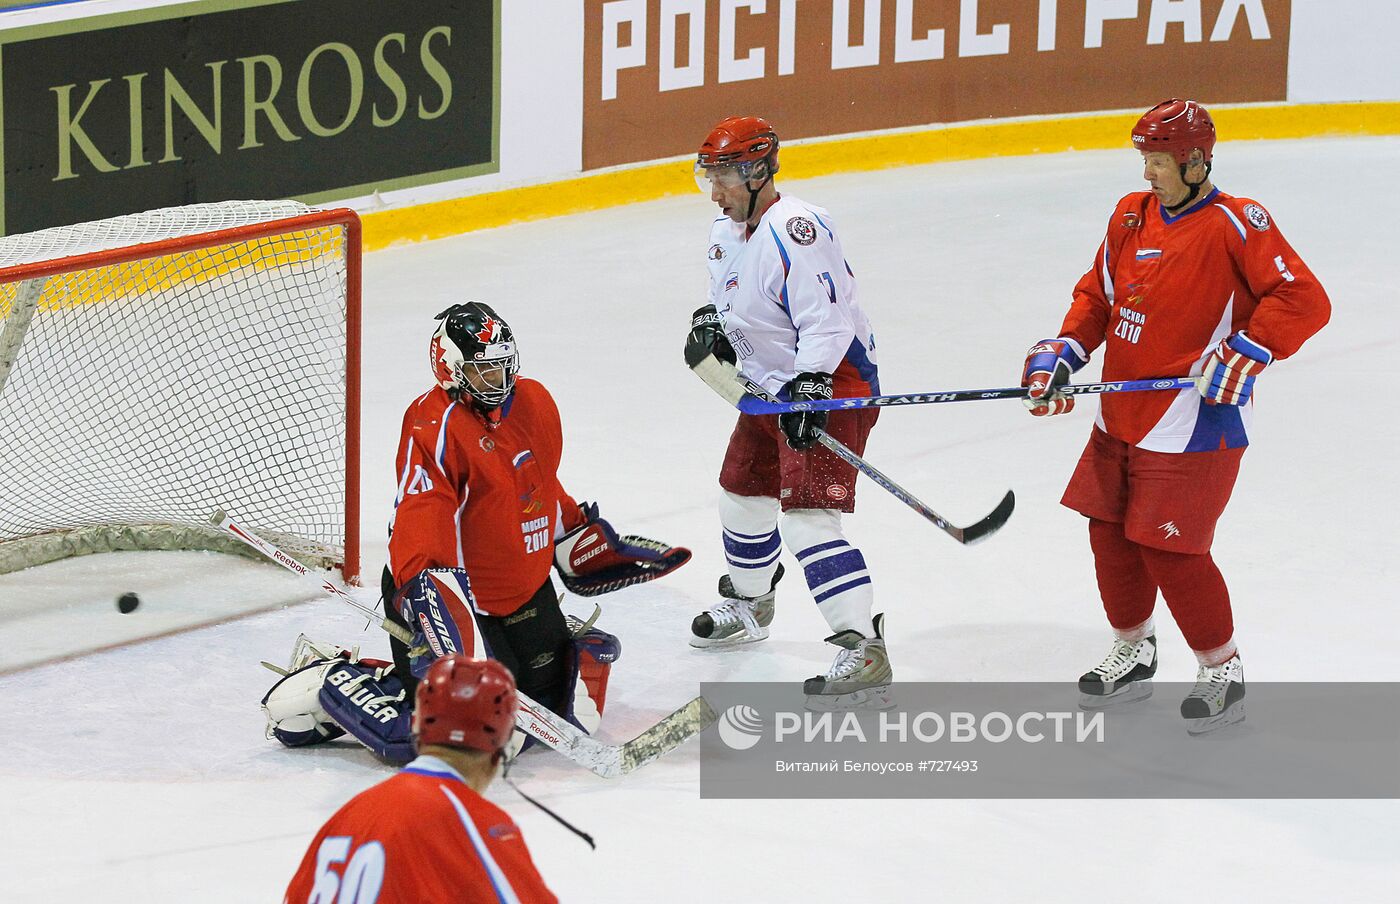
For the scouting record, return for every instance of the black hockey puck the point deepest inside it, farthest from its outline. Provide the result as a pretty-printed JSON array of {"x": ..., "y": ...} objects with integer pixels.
[{"x": 127, "y": 603}]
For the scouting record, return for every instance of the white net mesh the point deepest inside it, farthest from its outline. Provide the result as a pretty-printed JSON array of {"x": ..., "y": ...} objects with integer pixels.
[{"x": 143, "y": 396}]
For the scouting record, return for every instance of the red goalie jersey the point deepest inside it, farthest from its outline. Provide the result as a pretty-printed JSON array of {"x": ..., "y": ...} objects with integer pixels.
[
  {"x": 1165, "y": 290},
  {"x": 481, "y": 493},
  {"x": 421, "y": 836}
]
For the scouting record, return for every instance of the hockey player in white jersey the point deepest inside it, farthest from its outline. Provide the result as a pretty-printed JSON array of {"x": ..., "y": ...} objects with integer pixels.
[{"x": 782, "y": 305}]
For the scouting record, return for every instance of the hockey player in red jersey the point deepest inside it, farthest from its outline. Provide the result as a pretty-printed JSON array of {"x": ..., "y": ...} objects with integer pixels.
[
  {"x": 1188, "y": 280},
  {"x": 479, "y": 519},
  {"x": 427, "y": 834}
]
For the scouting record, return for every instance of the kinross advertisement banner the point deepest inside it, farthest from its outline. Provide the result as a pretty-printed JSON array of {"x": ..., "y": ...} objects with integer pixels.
[
  {"x": 659, "y": 73},
  {"x": 310, "y": 99}
]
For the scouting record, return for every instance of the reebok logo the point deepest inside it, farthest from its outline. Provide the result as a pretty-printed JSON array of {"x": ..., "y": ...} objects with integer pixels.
[{"x": 1170, "y": 530}]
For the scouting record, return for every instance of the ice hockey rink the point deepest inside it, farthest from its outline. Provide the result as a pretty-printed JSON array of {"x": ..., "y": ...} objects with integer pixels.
[{"x": 141, "y": 773}]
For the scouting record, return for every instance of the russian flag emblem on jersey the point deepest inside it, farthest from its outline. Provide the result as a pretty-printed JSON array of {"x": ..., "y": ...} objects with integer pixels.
[
  {"x": 1147, "y": 254},
  {"x": 522, "y": 457}
]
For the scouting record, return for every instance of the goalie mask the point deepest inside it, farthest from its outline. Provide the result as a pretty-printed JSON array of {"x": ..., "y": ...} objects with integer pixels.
[{"x": 474, "y": 353}]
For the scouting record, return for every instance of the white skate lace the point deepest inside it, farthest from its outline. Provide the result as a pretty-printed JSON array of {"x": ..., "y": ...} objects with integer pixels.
[
  {"x": 847, "y": 662},
  {"x": 1211, "y": 682},
  {"x": 1119, "y": 659},
  {"x": 726, "y": 614}
]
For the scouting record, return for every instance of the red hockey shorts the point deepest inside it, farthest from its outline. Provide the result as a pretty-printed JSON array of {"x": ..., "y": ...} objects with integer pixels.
[
  {"x": 1165, "y": 500},
  {"x": 759, "y": 462}
]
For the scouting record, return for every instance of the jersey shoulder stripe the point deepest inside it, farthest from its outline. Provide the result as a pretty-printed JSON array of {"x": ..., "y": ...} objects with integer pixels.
[
  {"x": 1234, "y": 221},
  {"x": 440, "y": 450},
  {"x": 505, "y": 894}
]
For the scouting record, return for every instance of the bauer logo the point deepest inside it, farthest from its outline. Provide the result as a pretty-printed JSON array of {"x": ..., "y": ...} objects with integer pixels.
[
  {"x": 741, "y": 727},
  {"x": 211, "y": 100}
]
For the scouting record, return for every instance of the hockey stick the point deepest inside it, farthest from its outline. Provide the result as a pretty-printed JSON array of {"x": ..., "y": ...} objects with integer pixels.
[
  {"x": 733, "y": 387},
  {"x": 540, "y": 723},
  {"x": 222, "y": 521},
  {"x": 750, "y": 403}
]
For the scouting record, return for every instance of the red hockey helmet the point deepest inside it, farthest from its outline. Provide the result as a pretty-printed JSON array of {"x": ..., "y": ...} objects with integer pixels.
[
  {"x": 1175, "y": 127},
  {"x": 734, "y": 149},
  {"x": 465, "y": 702}
]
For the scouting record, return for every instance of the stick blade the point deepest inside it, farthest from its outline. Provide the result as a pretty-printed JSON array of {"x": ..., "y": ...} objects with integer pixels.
[
  {"x": 989, "y": 525},
  {"x": 668, "y": 734}
]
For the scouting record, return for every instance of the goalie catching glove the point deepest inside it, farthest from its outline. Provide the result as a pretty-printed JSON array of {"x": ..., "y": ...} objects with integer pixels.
[{"x": 593, "y": 559}]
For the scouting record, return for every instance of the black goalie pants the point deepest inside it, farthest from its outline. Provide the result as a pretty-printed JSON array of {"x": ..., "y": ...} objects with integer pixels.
[{"x": 533, "y": 642}]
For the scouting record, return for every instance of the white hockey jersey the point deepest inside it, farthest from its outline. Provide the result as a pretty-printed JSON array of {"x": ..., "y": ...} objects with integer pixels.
[{"x": 788, "y": 300}]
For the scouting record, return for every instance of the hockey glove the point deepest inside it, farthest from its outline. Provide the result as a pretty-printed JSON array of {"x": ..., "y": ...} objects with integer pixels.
[
  {"x": 435, "y": 605},
  {"x": 1228, "y": 377},
  {"x": 800, "y": 427},
  {"x": 707, "y": 337},
  {"x": 1049, "y": 364},
  {"x": 593, "y": 559}
]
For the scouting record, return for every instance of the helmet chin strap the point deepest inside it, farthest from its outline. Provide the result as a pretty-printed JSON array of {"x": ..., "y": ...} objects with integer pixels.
[
  {"x": 1195, "y": 188},
  {"x": 753, "y": 192}
]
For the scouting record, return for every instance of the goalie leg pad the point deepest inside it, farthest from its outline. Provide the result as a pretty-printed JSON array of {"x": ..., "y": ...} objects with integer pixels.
[
  {"x": 368, "y": 700},
  {"x": 293, "y": 707},
  {"x": 594, "y": 653},
  {"x": 437, "y": 607}
]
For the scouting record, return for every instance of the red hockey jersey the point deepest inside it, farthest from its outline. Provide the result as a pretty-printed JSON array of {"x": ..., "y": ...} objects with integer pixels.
[
  {"x": 423, "y": 835},
  {"x": 481, "y": 494},
  {"x": 1165, "y": 290}
]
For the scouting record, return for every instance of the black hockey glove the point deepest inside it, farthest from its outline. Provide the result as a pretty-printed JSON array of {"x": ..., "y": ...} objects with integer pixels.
[
  {"x": 707, "y": 337},
  {"x": 800, "y": 427}
]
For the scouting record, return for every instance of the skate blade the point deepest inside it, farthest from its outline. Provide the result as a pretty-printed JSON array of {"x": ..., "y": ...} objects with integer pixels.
[
  {"x": 1127, "y": 695},
  {"x": 872, "y": 698},
  {"x": 1234, "y": 715},
  {"x": 736, "y": 640}
]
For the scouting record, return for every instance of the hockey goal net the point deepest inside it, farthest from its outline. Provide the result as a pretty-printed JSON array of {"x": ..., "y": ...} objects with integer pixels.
[{"x": 157, "y": 367}]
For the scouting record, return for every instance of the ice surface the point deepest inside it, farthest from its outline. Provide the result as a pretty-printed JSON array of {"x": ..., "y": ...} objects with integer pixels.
[{"x": 141, "y": 774}]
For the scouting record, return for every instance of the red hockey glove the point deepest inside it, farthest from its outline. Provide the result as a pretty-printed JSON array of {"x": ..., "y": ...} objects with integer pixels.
[
  {"x": 593, "y": 559},
  {"x": 1049, "y": 364},
  {"x": 1228, "y": 377}
]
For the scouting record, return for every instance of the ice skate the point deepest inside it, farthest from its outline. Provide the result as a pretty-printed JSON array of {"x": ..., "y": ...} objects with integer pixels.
[
  {"x": 1217, "y": 699},
  {"x": 1123, "y": 677},
  {"x": 871, "y": 698},
  {"x": 861, "y": 666},
  {"x": 306, "y": 651},
  {"x": 738, "y": 620}
]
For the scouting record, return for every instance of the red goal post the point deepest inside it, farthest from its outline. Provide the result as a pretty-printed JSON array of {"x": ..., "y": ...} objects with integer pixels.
[{"x": 160, "y": 366}]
